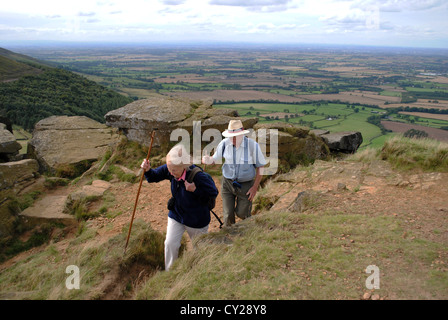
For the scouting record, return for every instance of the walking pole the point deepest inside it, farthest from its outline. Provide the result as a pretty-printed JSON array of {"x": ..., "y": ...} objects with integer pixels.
[{"x": 138, "y": 192}]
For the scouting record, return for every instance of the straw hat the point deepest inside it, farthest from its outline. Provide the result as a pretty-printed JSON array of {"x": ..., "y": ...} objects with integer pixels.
[{"x": 235, "y": 129}]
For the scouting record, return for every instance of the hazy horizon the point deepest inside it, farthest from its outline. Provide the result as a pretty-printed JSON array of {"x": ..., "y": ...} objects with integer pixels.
[
  {"x": 31, "y": 44},
  {"x": 383, "y": 23}
]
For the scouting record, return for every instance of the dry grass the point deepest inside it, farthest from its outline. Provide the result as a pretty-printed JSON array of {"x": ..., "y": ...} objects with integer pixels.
[{"x": 409, "y": 154}]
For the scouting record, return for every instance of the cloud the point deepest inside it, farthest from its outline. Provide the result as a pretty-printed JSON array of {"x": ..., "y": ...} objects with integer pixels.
[
  {"x": 399, "y": 5},
  {"x": 249, "y": 3},
  {"x": 86, "y": 14},
  {"x": 173, "y": 2},
  {"x": 268, "y": 28},
  {"x": 353, "y": 17},
  {"x": 257, "y": 5}
]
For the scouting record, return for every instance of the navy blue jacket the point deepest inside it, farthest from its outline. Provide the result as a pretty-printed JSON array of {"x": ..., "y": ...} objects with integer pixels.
[{"x": 190, "y": 208}]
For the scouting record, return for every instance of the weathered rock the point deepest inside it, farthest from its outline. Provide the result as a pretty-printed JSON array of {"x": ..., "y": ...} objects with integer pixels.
[
  {"x": 7, "y": 124},
  {"x": 319, "y": 132},
  {"x": 8, "y": 144},
  {"x": 6, "y": 222},
  {"x": 63, "y": 144},
  {"x": 164, "y": 114},
  {"x": 140, "y": 117},
  {"x": 96, "y": 189},
  {"x": 14, "y": 178},
  {"x": 16, "y": 175},
  {"x": 294, "y": 142},
  {"x": 49, "y": 208},
  {"x": 346, "y": 142}
]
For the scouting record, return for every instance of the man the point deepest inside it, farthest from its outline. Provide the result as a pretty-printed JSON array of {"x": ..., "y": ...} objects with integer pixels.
[
  {"x": 188, "y": 207},
  {"x": 242, "y": 171}
]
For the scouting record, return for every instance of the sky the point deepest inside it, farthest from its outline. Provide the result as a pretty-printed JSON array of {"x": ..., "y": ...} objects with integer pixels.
[{"x": 402, "y": 23}]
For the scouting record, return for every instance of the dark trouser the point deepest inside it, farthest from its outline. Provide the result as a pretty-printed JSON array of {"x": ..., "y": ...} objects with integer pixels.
[{"x": 235, "y": 201}]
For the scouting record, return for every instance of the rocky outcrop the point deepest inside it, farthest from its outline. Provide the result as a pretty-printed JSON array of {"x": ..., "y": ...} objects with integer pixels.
[
  {"x": 96, "y": 189},
  {"x": 295, "y": 144},
  {"x": 67, "y": 146},
  {"x": 164, "y": 114},
  {"x": 14, "y": 177},
  {"x": 137, "y": 119},
  {"x": 346, "y": 142},
  {"x": 17, "y": 175},
  {"x": 49, "y": 208},
  {"x": 9, "y": 147}
]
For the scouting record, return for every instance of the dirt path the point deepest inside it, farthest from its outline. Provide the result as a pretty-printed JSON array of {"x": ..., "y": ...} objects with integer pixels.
[{"x": 151, "y": 206}]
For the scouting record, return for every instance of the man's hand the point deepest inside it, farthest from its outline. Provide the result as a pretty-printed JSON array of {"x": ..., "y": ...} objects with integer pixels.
[
  {"x": 190, "y": 186},
  {"x": 145, "y": 165},
  {"x": 207, "y": 160},
  {"x": 252, "y": 192}
]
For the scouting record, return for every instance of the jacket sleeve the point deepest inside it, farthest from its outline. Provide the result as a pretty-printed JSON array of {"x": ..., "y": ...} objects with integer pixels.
[{"x": 158, "y": 174}]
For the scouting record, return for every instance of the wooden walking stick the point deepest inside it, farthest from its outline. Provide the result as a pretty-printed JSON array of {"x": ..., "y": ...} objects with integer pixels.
[{"x": 138, "y": 192}]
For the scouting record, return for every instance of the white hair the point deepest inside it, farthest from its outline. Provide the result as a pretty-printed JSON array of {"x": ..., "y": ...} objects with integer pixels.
[{"x": 178, "y": 156}]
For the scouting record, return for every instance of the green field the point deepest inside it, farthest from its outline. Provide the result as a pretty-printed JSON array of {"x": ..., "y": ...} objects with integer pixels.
[{"x": 343, "y": 118}]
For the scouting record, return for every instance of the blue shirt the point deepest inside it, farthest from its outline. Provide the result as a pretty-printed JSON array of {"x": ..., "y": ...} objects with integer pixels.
[
  {"x": 240, "y": 163},
  {"x": 190, "y": 208}
]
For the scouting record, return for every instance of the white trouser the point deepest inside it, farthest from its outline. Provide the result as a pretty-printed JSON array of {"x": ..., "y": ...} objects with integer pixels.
[{"x": 174, "y": 233}]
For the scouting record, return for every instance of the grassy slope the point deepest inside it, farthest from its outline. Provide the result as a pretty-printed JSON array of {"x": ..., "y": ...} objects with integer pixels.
[
  {"x": 14, "y": 65},
  {"x": 318, "y": 253},
  {"x": 11, "y": 70}
]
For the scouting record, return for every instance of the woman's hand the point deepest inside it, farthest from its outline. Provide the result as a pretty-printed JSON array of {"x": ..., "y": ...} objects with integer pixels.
[
  {"x": 190, "y": 186},
  {"x": 145, "y": 165}
]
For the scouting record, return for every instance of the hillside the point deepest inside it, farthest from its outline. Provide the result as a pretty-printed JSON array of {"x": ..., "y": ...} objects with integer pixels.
[
  {"x": 14, "y": 65},
  {"x": 40, "y": 91},
  {"x": 12, "y": 70},
  {"x": 315, "y": 231},
  {"x": 21, "y": 58}
]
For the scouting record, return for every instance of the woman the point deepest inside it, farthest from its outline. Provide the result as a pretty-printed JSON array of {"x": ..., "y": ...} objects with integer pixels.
[{"x": 188, "y": 207}]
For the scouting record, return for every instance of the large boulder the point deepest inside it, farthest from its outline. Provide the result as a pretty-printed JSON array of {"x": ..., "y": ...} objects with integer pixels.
[
  {"x": 137, "y": 119},
  {"x": 165, "y": 114},
  {"x": 295, "y": 144},
  {"x": 14, "y": 177},
  {"x": 346, "y": 142},
  {"x": 9, "y": 147},
  {"x": 17, "y": 174},
  {"x": 67, "y": 146}
]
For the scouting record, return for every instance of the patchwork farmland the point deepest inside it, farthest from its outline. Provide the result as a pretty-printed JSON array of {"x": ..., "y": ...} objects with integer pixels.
[{"x": 333, "y": 88}]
